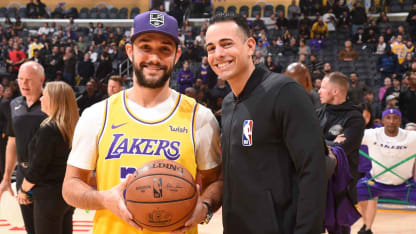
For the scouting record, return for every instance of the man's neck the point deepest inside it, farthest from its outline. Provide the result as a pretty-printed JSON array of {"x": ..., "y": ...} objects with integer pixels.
[
  {"x": 338, "y": 101},
  {"x": 238, "y": 83},
  {"x": 148, "y": 97},
  {"x": 30, "y": 100},
  {"x": 391, "y": 134}
]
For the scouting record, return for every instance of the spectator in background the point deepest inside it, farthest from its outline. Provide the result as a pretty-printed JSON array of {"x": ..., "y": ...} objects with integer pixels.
[
  {"x": 38, "y": 58},
  {"x": 185, "y": 78},
  {"x": 220, "y": 90},
  {"x": 271, "y": 66},
  {"x": 44, "y": 30},
  {"x": 356, "y": 89},
  {"x": 303, "y": 48},
  {"x": 115, "y": 85},
  {"x": 293, "y": 11},
  {"x": 69, "y": 61},
  {"x": 407, "y": 101},
  {"x": 381, "y": 45},
  {"x": 375, "y": 106},
  {"x": 41, "y": 9},
  {"x": 348, "y": 53},
  {"x": 394, "y": 90},
  {"x": 344, "y": 22},
  {"x": 85, "y": 69},
  {"x": 203, "y": 70},
  {"x": 319, "y": 27},
  {"x": 16, "y": 58},
  {"x": 258, "y": 24},
  {"x": 315, "y": 67},
  {"x": 88, "y": 98},
  {"x": 31, "y": 11},
  {"x": 270, "y": 22},
  {"x": 359, "y": 38},
  {"x": 258, "y": 58},
  {"x": 281, "y": 21},
  {"x": 189, "y": 39},
  {"x": 99, "y": 37},
  {"x": 387, "y": 64},
  {"x": 35, "y": 45},
  {"x": 327, "y": 69},
  {"x": 292, "y": 49},
  {"x": 382, "y": 90},
  {"x": 53, "y": 64},
  {"x": 388, "y": 35},
  {"x": 201, "y": 39},
  {"x": 304, "y": 32},
  {"x": 358, "y": 17},
  {"x": 398, "y": 48},
  {"x": 104, "y": 68},
  {"x": 317, "y": 43},
  {"x": 330, "y": 20}
]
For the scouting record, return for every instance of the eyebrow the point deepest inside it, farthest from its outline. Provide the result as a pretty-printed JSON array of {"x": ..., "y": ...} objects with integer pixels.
[
  {"x": 165, "y": 42},
  {"x": 222, "y": 40}
]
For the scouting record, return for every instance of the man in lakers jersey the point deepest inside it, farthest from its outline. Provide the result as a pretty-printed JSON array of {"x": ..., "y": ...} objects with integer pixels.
[{"x": 147, "y": 122}]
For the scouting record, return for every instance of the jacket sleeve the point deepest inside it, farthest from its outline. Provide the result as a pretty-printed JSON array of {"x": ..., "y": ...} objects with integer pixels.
[
  {"x": 353, "y": 132},
  {"x": 303, "y": 137},
  {"x": 42, "y": 154}
]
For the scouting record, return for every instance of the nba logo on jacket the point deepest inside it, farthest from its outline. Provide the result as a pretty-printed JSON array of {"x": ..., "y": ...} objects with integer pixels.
[{"x": 248, "y": 133}]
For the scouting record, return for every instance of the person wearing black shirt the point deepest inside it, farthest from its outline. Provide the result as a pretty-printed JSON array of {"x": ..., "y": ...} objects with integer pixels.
[
  {"x": 4, "y": 120},
  {"x": 339, "y": 118},
  {"x": 48, "y": 153},
  {"x": 26, "y": 116},
  {"x": 31, "y": 10},
  {"x": 273, "y": 163},
  {"x": 85, "y": 69}
]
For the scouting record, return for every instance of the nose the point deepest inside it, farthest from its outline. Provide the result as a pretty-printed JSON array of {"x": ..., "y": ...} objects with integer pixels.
[
  {"x": 219, "y": 52},
  {"x": 154, "y": 58}
]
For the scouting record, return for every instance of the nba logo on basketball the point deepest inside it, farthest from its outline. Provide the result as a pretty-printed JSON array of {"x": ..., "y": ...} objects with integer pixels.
[{"x": 248, "y": 133}]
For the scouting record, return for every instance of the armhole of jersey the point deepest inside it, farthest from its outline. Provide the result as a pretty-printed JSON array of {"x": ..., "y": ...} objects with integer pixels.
[
  {"x": 196, "y": 106},
  {"x": 104, "y": 122}
]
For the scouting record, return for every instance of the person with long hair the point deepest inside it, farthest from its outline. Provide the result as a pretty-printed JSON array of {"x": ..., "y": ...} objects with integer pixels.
[{"x": 48, "y": 153}]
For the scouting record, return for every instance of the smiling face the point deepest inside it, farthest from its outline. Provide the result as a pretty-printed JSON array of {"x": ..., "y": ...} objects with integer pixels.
[
  {"x": 153, "y": 56},
  {"x": 229, "y": 50}
]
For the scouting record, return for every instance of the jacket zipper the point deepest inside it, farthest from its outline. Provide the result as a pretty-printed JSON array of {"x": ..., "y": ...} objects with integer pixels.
[{"x": 229, "y": 150}]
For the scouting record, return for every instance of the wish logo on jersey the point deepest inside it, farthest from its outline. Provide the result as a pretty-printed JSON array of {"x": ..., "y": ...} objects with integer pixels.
[
  {"x": 143, "y": 146},
  {"x": 248, "y": 133}
]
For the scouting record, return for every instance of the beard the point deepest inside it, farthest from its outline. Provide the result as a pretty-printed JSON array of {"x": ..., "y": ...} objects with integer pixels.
[{"x": 148, "y": 83}]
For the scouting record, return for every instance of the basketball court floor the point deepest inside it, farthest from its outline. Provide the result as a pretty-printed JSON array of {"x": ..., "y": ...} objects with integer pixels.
[{"x": 387, "y": 222}]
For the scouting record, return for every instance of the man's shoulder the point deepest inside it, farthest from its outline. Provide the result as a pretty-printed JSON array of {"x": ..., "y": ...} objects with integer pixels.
[{"x": 17, "y": 101}]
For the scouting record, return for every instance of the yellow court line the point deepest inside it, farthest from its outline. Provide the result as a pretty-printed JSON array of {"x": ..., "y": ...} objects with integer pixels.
[{"x": 397, "y": 211}]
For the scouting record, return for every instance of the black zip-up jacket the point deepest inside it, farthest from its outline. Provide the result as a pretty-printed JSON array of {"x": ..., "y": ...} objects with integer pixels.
[
  {"x": 345, "y": 118},
  {"x": 278, "y": 184}
]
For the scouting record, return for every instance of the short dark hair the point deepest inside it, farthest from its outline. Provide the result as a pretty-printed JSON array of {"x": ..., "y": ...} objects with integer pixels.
[
  {"x": 236, "y": 18},
  {"x": 118, "y": 79},
  {"x": 339, "y": 79}
]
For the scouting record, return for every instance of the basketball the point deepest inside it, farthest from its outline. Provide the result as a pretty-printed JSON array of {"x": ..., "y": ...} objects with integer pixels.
[{"x": 162, "y": 196}]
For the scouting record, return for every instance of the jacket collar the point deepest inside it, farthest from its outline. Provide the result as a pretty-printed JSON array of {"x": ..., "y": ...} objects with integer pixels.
[{"x": 258, "y": 75}]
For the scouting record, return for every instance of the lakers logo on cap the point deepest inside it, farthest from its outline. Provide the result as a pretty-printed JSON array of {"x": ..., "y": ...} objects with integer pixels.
[{"x": 157, "y": 19}]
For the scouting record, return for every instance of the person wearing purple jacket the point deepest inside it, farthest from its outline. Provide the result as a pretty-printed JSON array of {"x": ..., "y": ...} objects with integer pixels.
[{"x": 185, "y": 78}]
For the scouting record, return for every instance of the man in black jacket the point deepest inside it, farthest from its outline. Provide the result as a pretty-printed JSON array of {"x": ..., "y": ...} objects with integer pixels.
[
  {"x": 342, "y": 124},
  {"x": 274, "y": 167},
  {"x": 407, "y": 101}
]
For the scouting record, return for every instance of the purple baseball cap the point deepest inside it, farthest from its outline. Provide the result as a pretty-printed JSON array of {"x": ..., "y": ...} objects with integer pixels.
[{"x": 155, "y": 21}]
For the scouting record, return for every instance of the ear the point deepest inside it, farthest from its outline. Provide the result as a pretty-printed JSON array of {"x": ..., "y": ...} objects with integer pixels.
[
  {"x": 251, "y": 43},
  {"x": 129, "y": 51},
  {"x": 178, "y": 54}
]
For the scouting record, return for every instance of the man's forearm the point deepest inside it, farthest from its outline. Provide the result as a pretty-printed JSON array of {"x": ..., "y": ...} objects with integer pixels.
[
  {"x": 212, "y": 182},
  {"x": 11, "y": 158},
  {"x": 78, "y": 193}
]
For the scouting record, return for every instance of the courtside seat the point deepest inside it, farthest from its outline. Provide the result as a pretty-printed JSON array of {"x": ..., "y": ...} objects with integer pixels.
[
  {"x": 244, "y": 10},
  {"x": 232, "y": 9},
  {"x": 255, "y": 10},
  {"x": 219, "y": 10},
  {"x": 268, "y": 10},
  {"x": 134, "y": 11}
]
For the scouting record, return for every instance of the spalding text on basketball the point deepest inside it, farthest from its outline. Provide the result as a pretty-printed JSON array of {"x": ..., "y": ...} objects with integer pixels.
[{"x": 142, "y": 146}]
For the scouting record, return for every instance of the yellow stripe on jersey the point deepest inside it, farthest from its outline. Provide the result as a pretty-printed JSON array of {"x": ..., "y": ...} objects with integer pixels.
[{"x": 127, "y": 142}]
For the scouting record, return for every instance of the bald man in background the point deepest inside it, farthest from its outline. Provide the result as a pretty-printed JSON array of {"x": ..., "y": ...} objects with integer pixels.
[
  {"x": 26, "y": 116},
  {"x": 301, "y": 74}
]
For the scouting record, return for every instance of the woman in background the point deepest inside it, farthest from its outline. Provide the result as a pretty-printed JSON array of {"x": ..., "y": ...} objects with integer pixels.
[{"x": 49, "y": 152}]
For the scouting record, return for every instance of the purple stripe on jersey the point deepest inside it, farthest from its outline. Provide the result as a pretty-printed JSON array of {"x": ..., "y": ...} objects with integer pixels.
[
  {"x": 105, "y": 121},
  {"x": 193, "y": 126},
  {"x": 145, "y": 122}
]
